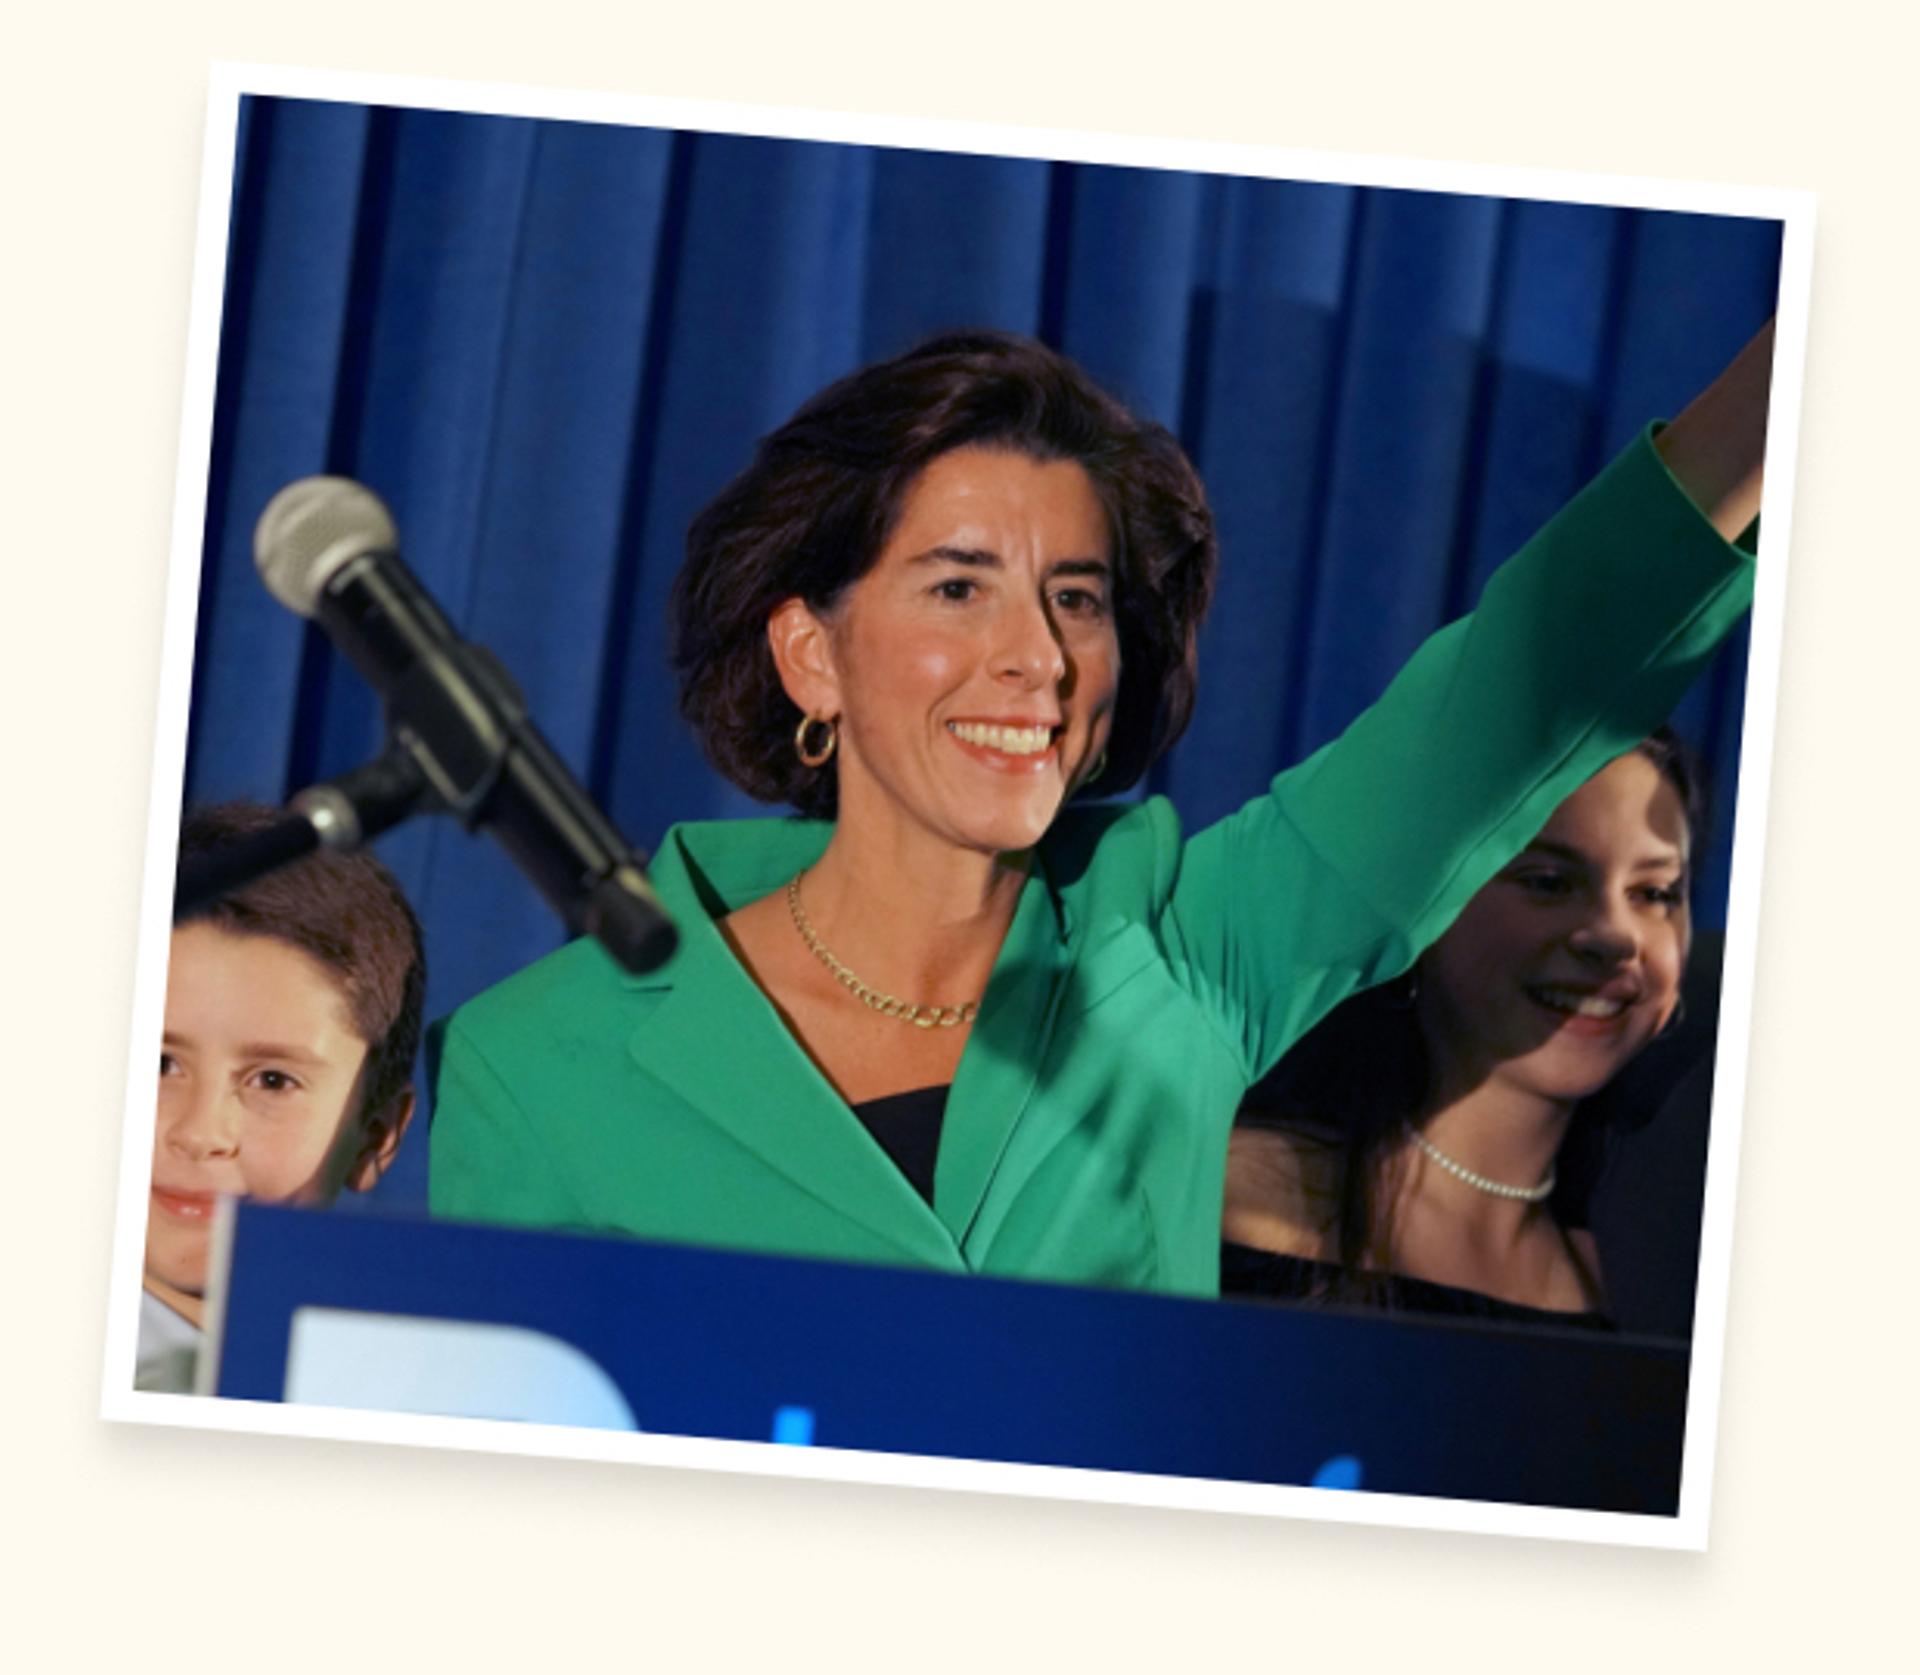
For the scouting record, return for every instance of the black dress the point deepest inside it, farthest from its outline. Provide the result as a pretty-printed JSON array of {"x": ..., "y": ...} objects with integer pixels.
[{"x": 1249, "y": 1273}]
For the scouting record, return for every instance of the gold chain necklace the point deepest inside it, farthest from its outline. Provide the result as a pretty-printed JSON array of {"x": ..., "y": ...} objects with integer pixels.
[{"x": 924, "y": 1017}]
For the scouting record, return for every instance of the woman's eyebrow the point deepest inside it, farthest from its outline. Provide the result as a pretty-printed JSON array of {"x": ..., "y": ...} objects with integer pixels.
[
  {"x": 1661, "y": 862},
  {"x": 1559, "y": 851},
  {"x": 984, "y": 558},
  {"x": 981, "y": 558},
  {"x": 1667, "y": 856}
]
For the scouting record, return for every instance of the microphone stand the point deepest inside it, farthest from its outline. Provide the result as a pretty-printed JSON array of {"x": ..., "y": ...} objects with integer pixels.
[{"x": 340, "y": 813}]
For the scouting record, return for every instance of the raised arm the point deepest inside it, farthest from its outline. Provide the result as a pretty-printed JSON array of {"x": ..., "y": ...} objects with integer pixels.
[
  {"x": 1581, "y": 643},
  {"x": 1714, "y": 448}
]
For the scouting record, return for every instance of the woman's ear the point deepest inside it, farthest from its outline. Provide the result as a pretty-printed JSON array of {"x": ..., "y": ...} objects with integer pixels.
[
  {"x": 381, "y": 1134},
  {"x": 802, "y": 646}
]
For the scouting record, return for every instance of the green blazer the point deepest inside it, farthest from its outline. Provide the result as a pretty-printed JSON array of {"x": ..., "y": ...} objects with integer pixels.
[{"x": 1147, "y": 981}]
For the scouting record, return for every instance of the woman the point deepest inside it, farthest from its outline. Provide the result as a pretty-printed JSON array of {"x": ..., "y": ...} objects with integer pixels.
[
  {"x": 1405, "y": 1155},
  {"x": 946, "y": 1019}
]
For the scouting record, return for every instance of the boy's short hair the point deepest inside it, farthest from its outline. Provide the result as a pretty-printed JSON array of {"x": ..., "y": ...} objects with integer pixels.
[{"x": 345, "y": 911}]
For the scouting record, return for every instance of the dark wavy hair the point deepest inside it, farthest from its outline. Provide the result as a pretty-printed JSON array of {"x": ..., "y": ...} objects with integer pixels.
[
  {"x": 347, "y": 913},
  {"x": 809, "y": 516},
  {"x": 1349, "y": 1084}
]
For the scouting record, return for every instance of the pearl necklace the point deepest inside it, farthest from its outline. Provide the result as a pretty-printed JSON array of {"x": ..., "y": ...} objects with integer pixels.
[
  {"x": 923, "y": 1017},
  {"x": 1482, "y": 1183}
]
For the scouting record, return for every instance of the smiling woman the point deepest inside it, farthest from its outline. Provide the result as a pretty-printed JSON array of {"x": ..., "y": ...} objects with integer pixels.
[
  {"x": 970, "y": 680},
  {"x": 974, "y": 670},
  {"x": 952, "y": 1018}
]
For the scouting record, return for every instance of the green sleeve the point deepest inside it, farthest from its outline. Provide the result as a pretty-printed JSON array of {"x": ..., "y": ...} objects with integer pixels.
[
  {"x": 1362, "y": 855},
  {"x": 484, "y": 1160}
]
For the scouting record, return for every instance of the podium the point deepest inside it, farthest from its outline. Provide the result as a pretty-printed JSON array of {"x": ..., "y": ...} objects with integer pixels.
[{"x": 365, "y": 1311}]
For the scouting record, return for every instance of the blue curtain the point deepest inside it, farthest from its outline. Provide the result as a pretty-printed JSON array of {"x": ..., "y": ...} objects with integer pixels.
[{"x": 546, "y": 344}]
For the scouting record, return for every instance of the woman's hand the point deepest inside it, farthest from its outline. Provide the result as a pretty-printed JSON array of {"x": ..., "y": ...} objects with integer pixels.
[{"x": 1715, "y": 447}]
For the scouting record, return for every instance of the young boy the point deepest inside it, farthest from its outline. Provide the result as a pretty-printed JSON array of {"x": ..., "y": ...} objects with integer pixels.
[{"x": 286, "y": 1067}]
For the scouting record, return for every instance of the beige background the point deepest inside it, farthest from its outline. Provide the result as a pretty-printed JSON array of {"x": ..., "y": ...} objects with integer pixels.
[{"x": 184, "y": 1549}]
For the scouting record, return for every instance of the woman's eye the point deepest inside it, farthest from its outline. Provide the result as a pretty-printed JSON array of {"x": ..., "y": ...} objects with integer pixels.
[
  {"x": 1665, "y": 895},
  {"x": 275, "y": 1081},
  {"x": 169, "y": 1065},
  {"x": 956, "y": 589},
  {"x": 1080, "y": 601},
  {"x": 1543, "y": 883}
]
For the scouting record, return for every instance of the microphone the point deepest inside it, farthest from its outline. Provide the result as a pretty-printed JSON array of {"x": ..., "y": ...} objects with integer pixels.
[{"x": 327, "y": 549}]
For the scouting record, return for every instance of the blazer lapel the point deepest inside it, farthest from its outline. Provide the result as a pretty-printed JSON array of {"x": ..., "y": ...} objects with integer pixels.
[
  {"x": 715, "y": 1041},
  {"x": 1002, "y": 1063}
]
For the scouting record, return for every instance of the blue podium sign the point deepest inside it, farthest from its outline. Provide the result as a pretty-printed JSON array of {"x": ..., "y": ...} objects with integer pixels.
[{"x": 442, "y": 1318}]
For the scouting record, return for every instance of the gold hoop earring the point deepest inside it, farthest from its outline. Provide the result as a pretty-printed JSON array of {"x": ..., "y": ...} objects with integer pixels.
[
  {"x": 1099, "y": 767},
  {"x": 815, "y": 759}
]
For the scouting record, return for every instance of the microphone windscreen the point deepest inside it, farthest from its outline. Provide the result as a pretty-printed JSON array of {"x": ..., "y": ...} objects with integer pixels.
[{"x": 311, "y": 528}]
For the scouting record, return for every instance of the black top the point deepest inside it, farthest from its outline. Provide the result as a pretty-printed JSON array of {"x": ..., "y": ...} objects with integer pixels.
[
  {"x": 907, "y": 1125},
  {"x": 1246, "y": 1272}
]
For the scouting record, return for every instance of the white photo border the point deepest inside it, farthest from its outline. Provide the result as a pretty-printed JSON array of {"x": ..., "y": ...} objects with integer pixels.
[{"x": 230, "y": 82}]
